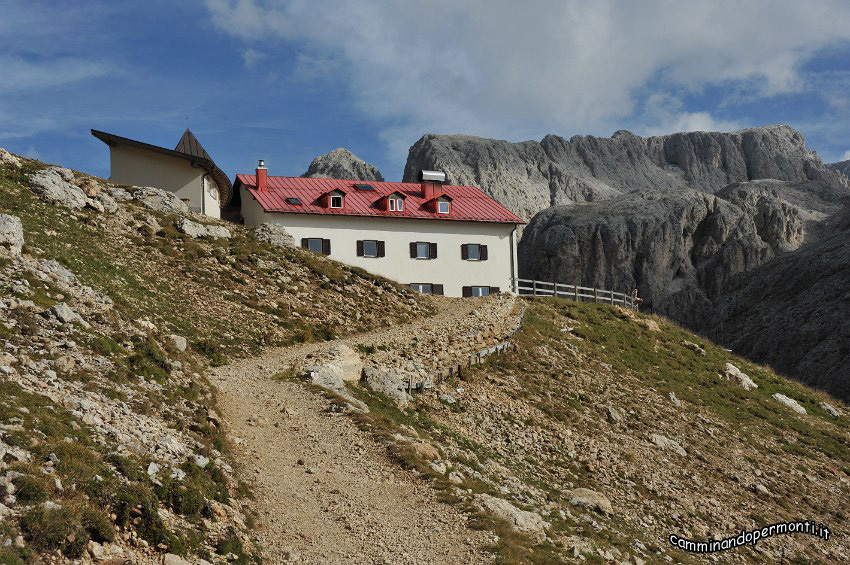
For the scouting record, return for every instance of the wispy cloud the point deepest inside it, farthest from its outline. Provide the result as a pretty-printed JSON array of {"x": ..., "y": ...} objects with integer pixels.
[
  {"x": 20, "y": 74},
  {"x": 251, "y": 56}
]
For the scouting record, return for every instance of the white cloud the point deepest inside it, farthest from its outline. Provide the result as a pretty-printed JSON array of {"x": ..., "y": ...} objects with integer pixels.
[
  {"x": 495, "y": 67},
  {"x": 845, "y": 156},
  {"x": 666, "y": 114}
]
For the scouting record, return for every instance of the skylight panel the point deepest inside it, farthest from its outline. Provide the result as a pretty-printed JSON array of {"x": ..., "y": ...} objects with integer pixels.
[
  {"x": 364, "y": 187},
  {"x": 293, "y": 201}
]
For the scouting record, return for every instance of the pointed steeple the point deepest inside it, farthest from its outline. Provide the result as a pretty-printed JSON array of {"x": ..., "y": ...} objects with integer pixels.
[{"x": 190, "y": 145}]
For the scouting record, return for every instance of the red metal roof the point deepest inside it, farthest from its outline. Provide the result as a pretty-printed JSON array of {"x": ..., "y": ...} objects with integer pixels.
[{"x": 469, "y": 203}]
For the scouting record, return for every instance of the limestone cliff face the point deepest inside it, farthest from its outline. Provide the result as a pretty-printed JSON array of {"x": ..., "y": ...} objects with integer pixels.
[
  {"x": 530, "y": 176},
  {"x": 678, "y": 248},
  {"x": 342, "y": 164},
  {"x": 794, "y": 312}
]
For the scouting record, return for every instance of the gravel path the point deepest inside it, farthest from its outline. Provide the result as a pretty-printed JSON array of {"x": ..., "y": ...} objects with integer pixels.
[{"x": 327, "y": 492}]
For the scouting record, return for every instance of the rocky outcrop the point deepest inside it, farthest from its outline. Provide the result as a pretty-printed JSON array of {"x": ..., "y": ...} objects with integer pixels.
[
  {"x": 342, "y": 164},
  {"x": 53, "y": 185},
  {"x": 387, "y": 382},
  {"x": 530, "y": 176},
  {"x": 793, "y": 312},
  {"x": 11, "y": 234},
  {"x": 801, "y": 207},
  {"x": 7, "y": 158},
  {"x": 159, "y": 200},
  {"x": 274, "y": 234},
  {"x": 197, "y": 230},
  {"x": 677, "y": 248},
  {"x": 734, "y": 374},
  {"x": 590, "y": 499},
  {"x": 521, "y": 520}
]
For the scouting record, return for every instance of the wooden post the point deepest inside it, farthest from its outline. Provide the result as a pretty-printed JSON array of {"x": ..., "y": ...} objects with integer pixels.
[
  {"x": 534, "y": 288},
  {"x": 575, "y": 292},
  {"x": 595, "y": 295},
  {"x": 612, "y": 296}
]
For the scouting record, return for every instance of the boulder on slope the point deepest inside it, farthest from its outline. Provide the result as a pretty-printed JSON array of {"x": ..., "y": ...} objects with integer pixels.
[
  {"x": 53, "y": 185},
  {"x": 342, "y": 164}
]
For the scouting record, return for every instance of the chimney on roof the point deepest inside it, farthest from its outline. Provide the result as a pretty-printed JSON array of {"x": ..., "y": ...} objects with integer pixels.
[
  {"x": 432, "y": 183},
  {"x": 262, "y": 177}
]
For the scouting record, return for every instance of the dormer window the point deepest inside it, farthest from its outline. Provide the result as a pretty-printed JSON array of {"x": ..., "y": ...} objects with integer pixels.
[
  {"x": 334, "y": 199},
  {"x": 443, "y": 206},
  {"x": 392, "y": 202}
]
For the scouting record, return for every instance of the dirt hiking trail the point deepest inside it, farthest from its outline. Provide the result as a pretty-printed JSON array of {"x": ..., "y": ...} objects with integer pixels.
[{"x": 327, "y": 492}]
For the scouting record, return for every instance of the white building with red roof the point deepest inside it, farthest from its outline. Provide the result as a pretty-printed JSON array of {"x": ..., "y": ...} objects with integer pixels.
[{"x": 435, "y": 237}]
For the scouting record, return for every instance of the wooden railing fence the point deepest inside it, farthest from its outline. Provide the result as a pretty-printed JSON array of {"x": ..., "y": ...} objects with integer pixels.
[{"x": 574, "y": 292}]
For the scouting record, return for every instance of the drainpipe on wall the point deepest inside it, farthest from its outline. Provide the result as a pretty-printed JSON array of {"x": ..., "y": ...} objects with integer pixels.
[
  {"x": 514, "y": 274},
  {"x": 204, "y": 194}
]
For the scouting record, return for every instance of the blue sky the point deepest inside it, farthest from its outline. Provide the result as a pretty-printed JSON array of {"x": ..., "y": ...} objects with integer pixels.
[{"x": 286, "y": 80}]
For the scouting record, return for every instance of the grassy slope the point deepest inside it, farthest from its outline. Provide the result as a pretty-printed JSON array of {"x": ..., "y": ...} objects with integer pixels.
[
  {"x": 541, "y": 414},
  {"x": 228, "y": 298}
]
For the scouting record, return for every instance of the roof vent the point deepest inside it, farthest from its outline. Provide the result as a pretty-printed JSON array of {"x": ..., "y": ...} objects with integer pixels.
[{"x": 432, "y": 176}]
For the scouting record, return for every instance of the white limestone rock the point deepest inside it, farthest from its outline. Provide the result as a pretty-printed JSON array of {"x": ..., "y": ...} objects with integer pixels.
[
  {"x": 590, "y": 499},
  {"x": 7, "y": 159},
  {"x": 668, "y": 444},
  {"x": 197, "y": 230},
  {"x": 733, "y": 373},
  {"x": 52, "y": 185},
  {"x": 521, "y": 520},
  {"x": 387, "y": 382},
  {"x": 11, "y": 233},
  {"x": 789, "y": 402},
  {"x": 275, "y": 234},
  {"x": 159, "y": 200}
]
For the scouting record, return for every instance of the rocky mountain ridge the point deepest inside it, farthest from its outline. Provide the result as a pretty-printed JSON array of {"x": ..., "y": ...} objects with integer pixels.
[
  {"x": 841, "y": 166},
  {"x": 530, "y": 176}
]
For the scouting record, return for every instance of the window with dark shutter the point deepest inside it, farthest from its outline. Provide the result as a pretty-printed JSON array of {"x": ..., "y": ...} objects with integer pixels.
[
  {"x": 494, "y": 290},
  {"x": 482, "y": 251},
  {"x": 467, "y": 291},
  {"x": 464, "y": 251},
  {"x": 437, "y": 289},
  {"x": 370, "y": 248},
  {"x": 433, "y": 251},
  {"x": 359, "y": 248},
  {"x": 305, "y": 243},
  {"x": 413, "y": 250},
  {"x": 381, "y": 249},
  {"x": 326, "y": 246}
]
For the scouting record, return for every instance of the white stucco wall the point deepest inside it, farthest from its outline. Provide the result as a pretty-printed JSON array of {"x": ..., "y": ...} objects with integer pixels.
[
  {"x": 211, "y": 207},
  {"x": 140, "y": 167},
  {"x": 447, "y": 269}
]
